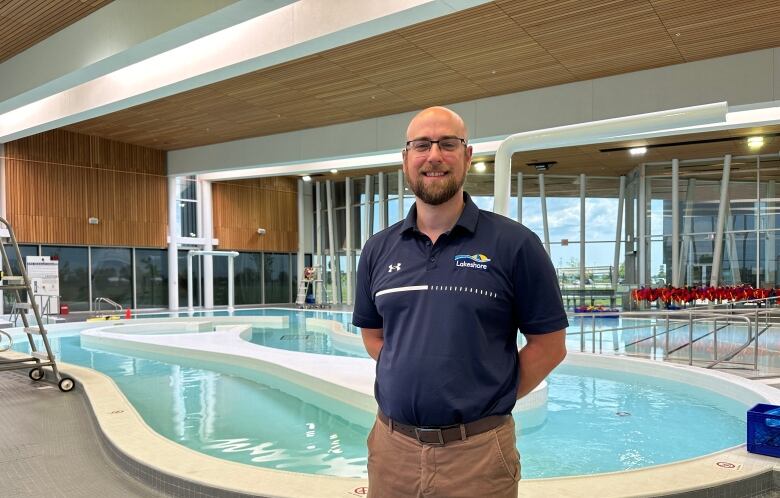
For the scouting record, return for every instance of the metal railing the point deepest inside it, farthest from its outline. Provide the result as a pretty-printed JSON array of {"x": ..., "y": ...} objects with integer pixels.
[
  {"x": 97, "y": 306},
  {"x": 753, "y": 318}
]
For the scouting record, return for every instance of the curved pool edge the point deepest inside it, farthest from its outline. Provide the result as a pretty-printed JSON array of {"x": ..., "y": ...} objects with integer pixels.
[
  {"x": 169, "y": 463},
  {"x": 164, "y": 461}
]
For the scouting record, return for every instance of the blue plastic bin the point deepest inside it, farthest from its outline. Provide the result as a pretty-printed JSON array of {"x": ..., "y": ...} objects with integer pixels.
[{"x": 763, "y": 430}]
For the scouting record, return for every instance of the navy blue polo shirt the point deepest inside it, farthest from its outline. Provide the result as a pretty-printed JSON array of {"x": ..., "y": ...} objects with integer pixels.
[{"x": 450, "y": 313}]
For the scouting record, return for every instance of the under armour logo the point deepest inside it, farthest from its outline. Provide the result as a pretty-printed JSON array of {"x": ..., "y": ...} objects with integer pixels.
[{"x": 396, "y": 267}]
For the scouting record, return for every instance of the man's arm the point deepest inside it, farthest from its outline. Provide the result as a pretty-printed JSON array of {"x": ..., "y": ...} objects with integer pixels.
[
  {"x": 538, "y": 357},
  {"x": 373, "y": 339}
]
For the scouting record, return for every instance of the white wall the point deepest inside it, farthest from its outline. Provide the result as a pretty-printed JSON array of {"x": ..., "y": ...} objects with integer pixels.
[{"x": 748, "y": 78}]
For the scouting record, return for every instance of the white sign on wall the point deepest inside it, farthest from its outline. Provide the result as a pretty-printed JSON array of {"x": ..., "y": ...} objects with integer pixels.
[{"x": 44, "y": 276}]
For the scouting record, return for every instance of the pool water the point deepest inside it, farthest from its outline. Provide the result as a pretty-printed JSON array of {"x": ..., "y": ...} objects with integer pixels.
[
  {"x": 597, "y": 420},
  {"x": 303, "y": 340}
]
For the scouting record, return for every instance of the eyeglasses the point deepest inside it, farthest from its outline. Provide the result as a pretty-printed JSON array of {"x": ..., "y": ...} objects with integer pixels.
[{"x": 445, "y": 144}]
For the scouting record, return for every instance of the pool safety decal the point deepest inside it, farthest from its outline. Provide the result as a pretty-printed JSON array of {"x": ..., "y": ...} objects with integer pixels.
[
  {"x": 359, "y": 491},
  {"x": 474, "y": 261},
  {"x": 728, "y": 465}
]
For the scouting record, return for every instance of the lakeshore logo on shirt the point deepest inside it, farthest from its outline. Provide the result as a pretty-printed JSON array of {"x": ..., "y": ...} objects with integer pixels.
[{"x": 475, "y": 261}]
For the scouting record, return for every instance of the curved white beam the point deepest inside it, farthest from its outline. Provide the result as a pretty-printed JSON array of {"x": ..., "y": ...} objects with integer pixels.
[{"x": 607, "y": 130}]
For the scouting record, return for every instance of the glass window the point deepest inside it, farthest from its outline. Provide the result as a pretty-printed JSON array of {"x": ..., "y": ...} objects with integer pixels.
[
  {"x": 340, "y": 228},
  {"x": 357, "y": 225},
  {"x": 196, "y": 279},
  {"x": 188, "y": 218},
  {"x": 358, "y": 190},
  {"x": 151, "y": 278},
  {"x": 277, "y": 278},
  {"x": 532, "y": 215},
  {"x": 392, "y": 211},
  {"x": 307, "y": 263},
  {"x": 187, "y": 215},
  {"x": 600, "y": 218},
  {"x": 74, "y": 275},
  {"x": 339, "y": 190},
  {"x": 563, "y": 218},
  {"x": 112, "y": 275},
  {"x": 25, "y": 250},
  {"x": 247, "y": 271},
  {"x": 220, "y": 271},
  {"x": 770, "y": 259}
]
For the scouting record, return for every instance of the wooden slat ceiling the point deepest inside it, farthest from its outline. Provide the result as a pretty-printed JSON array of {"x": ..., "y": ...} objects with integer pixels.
[
  {"x": 501, "y": 47},
  {"x": 23, "y": 23}
]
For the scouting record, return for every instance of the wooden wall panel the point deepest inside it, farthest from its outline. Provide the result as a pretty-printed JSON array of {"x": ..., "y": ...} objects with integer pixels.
[
  {"x": 241, "y": 207},
  {"x": 56, "y": 180}
]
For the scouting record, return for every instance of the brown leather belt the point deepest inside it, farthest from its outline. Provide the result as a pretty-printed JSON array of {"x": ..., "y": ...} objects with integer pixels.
[{"x": 439, "y": 436}]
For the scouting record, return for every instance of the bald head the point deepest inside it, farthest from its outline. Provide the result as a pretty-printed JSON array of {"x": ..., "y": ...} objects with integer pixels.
[{"x": 427, "y": 120}]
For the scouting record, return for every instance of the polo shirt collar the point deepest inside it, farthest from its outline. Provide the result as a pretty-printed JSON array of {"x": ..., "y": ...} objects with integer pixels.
[{"x": 468, "y": 218}]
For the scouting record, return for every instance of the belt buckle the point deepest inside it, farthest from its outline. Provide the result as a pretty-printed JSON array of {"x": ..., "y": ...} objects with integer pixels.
[{"x": 418, "y": 431}]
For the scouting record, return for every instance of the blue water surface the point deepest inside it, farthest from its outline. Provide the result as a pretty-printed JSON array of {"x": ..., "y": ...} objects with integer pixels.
[{"x": 597, "y": 420}]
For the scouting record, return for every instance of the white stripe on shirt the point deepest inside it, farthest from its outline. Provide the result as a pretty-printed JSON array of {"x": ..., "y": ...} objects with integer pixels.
[{"x": 402, "y": 289}]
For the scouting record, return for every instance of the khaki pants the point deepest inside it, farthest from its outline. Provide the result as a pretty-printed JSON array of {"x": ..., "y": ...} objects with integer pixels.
[{"x": 485, "y": 465}]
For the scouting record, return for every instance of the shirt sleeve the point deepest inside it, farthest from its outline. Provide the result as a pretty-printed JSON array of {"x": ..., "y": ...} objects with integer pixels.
[
  {"x": 538, "y": 304},
  {"x": 365, "y": 314}
]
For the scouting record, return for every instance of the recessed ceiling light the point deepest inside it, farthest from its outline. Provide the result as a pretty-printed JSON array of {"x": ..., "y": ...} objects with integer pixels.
[
  {"x": 755, "y": 142},
  {"x": 637, "y": 151},
  {"x": 334, "y": 171},
  {"x": 480, "y": 167},
  {"x": 306, "y": 178}
]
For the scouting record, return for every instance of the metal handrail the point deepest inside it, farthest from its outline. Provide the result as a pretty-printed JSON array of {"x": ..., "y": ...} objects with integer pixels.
[
  {"x": 751, "y": 318},
  {"x": 114, "y": 304}
]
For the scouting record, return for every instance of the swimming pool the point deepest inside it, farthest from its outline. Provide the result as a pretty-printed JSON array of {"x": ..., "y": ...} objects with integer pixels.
[{"x": 597, "y": 420}]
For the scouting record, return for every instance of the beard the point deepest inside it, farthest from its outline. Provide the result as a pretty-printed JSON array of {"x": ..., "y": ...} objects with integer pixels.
[{"x": 436, "y": 193}]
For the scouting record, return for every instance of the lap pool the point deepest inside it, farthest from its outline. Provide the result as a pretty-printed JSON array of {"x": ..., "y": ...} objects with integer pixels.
[{"x": 595, "y": 420}]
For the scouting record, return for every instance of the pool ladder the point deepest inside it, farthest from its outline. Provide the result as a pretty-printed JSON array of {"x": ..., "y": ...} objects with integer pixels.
[{"x": 15, "y": 285}]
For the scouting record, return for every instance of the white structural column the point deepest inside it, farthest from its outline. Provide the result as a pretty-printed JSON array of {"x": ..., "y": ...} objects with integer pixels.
[
  {"x": 618, "y": 232},
  {"x": 770, "y": 261},
  {"x": 758, "y": 223},
  {"x": 630, "y": 224},
  {"x": 686, "y": 251},
  {"x": 771, "y": 207},
  {"x": 334, "y": 273},
  {"x": 2, "y": 183},
  {"x": 349, "y": 243},
  {"x": 207, "y": 217},
  {"x": 675, "y": 221},
  {"x": 369, "y": 206},
  {"x": 173, "y": 250},
  {"x": 366, "y": 221},
  {"x": 582, "y": 236},
  {"x": 717, "y": 253},
  {"x": 301, "y": 261},
  {"x": 642, "y": 207},
  {"x": 401, "y": 212},
  {"x": 543, "y": 201},
  {"x": 318, "y": 261},
  {"x": 382, "y": 200},
  {"x": 519, "y": 197},
  {"x": 731, "y": 244},
  {"x": 2, "y": 206}
]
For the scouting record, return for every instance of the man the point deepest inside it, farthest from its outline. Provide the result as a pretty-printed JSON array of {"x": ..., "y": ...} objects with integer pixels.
[{"x": 440, "y": 298}]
